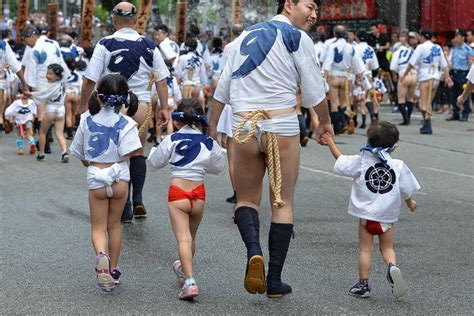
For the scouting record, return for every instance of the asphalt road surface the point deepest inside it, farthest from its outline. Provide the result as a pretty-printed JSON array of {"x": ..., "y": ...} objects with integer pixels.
[{"x": 47, "y": 261}]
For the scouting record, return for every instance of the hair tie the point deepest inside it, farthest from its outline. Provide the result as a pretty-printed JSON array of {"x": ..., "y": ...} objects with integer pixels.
[
  {"x": 176, "y": 115},
  {"x": 113, "y": 99}
]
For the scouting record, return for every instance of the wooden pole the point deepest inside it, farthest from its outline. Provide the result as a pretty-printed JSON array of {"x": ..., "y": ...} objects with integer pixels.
[
  {"x": 22, "y": 17},
  {"x": 143, "y": 14},
  {"x": 52, "y": 18},
  {"x": 181, "y": 17},
  {"x": 87, "y": 23},
  {"x": 236, "y": 12}
]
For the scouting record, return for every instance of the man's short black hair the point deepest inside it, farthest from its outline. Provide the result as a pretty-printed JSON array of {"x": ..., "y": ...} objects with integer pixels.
[
  {"x": 362, "y": 36},
  {"x": 163, "y": 28},
  {"x": 281, "y": 4},
  {"x": 427, "y": 33},
  {"x": 29, "y": 31},
  {"x": 460, "y": 33}
]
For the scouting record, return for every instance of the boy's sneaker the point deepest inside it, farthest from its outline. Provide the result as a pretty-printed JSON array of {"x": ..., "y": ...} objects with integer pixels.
[
  {"x": 40, "y": 157},
  {"x": 20, "y": 152},
  {"x": 394, "y": 278},
  {"x": 116, "y": 275},
  {"x": 102, "y": 270},
  {"x": 360, "y": 290},
  {"x": 179, "y": 273},
  {"x": 32, "y": 149},
  {"x": 188, "y": 292},
  {"x": 65, "y": 158}
]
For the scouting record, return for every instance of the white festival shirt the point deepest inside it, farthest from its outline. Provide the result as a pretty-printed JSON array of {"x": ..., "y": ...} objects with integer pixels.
[
  {"x": 470, "y": 75},
  {"x": 368, "y": 56},
  {"x": 428, "y": 58},
  {"x": 400, "y": 59},
  {"x": 168, "y": 49},
  {"x": 190, "y": 69},
  {"x": 133, "y": 56},
  {"x": 377, "y": 191},
  {"x": 36, "y": 62},
  {"x": 105, "y": 137},
  {"x": 190, "y": 154},
  {"x": 23, "y": 113},
  {"x": 269, "y": 62},
  {"x": 342, "y": 56},
  {"x": 7, "y": 58}
]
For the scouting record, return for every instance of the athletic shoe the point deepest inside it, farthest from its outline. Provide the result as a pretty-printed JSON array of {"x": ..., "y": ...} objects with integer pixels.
[
  {"x": 32, "y": 149},
  {"x": 139, "y": 211},
  {"x": 188, "y": 292},
  {"x": 40, "y": 157},
  {"x": 102, "y": 270},
  {"x": 116, "y": 275},
  {"x": 20, "y": 152},
  {"x": 394, "y": 278},
  {"x": 360, "y": 290},
  {"x": 65, "y": 158},
  {"x": 179, "y": 273}
]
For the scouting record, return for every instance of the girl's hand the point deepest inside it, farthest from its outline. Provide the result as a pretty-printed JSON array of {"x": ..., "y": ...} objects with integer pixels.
[{"x": 327, "y": 138}]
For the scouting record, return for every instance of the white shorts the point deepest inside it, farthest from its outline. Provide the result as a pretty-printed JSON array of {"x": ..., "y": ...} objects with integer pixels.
[
  {"x": 59, "y": 111},
  {"x": 98, "y": 178},
  {"x": 224, "y": 125}
]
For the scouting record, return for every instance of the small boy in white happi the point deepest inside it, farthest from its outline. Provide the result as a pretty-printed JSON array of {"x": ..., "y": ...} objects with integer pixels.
[
  {"x": 380, "y": 183},
  {"x": 23, "y": 110}
]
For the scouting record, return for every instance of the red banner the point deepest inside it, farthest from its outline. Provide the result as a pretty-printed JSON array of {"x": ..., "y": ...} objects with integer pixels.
[
  {"x": 447, "y": 15},
  {"x": 348, "y": 9}
]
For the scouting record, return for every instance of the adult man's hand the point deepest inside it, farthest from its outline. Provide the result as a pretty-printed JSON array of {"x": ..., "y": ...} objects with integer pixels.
[{"x": 323, "y": 127}]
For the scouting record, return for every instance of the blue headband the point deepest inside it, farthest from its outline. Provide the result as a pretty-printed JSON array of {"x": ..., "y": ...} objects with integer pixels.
[
  {"x": 112, "y": 100},
  {"x": 180, "y": 116},
  {"x": 381, "y": 153}
]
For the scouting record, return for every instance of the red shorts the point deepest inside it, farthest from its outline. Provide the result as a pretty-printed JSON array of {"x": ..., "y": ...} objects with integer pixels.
[
  {"x": 375, "y": 228},
  {"x": 176, "y": 194}
]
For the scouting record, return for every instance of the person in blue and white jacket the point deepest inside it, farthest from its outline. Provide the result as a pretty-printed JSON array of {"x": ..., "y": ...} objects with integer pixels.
[{"x": 191, "y": 155}]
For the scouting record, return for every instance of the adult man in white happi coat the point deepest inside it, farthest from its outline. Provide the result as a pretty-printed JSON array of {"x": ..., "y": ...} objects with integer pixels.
[{"x": 260, "y": 82}]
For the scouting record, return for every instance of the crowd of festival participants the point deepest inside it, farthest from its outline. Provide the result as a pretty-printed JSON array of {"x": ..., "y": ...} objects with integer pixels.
[{"x": 105, "y": 103}]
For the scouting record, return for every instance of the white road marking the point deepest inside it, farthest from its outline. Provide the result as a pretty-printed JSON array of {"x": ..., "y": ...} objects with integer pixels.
[
  {"x": 324, "y": 172},
  {"x": 449, "y": 172}
]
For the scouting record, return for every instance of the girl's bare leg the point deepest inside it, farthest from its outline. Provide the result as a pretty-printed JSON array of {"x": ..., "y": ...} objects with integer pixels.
[
  {"x": 185, "y": 222},
  {"x": 116, "y": 205}
]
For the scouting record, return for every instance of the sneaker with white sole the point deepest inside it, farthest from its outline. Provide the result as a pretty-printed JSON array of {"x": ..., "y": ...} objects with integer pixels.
[
  {"x": 179, "y": 273},
  {"x": 394, "y": 278},
  {"x": 102, "y": 270},
  {"x": 360, "y": 290},
  {"x": 188, "y": 292}
]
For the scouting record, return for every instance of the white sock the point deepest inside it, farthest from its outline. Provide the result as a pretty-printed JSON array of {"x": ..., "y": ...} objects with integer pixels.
[{"x": 189, "y": 281}]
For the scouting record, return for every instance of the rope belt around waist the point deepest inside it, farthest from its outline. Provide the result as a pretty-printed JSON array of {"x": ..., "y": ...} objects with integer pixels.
[
  {"x": 274, "y": 167},
  {"x": 148, "y": 116}
]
